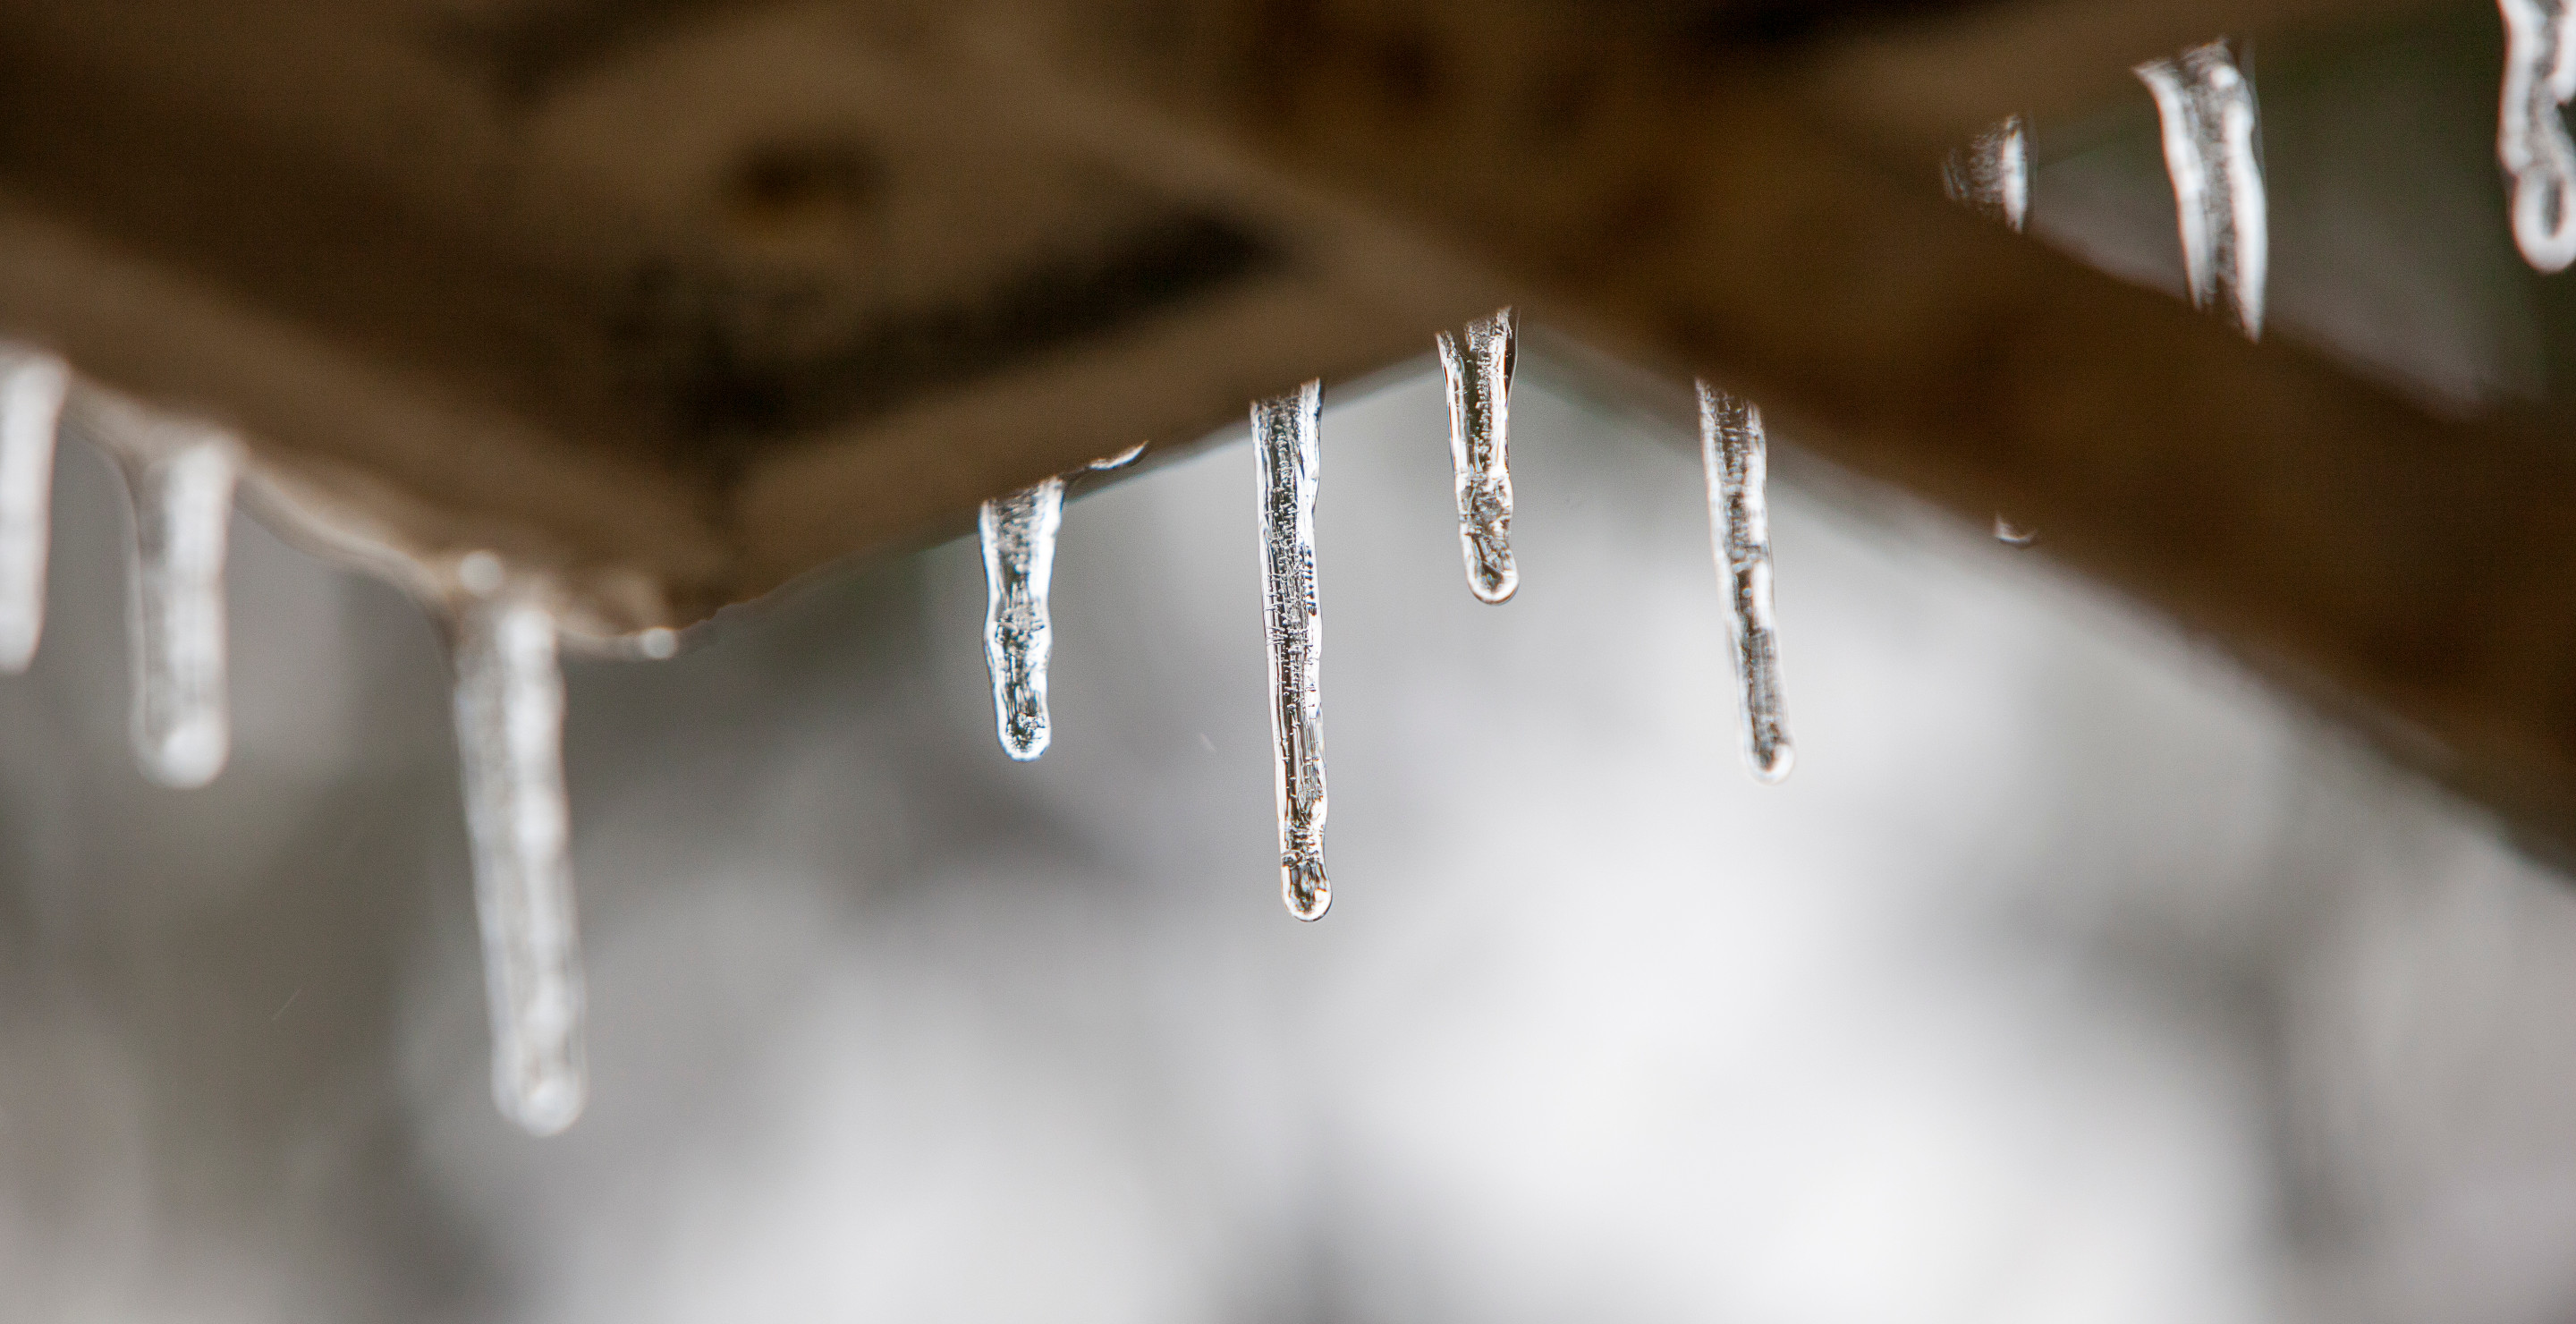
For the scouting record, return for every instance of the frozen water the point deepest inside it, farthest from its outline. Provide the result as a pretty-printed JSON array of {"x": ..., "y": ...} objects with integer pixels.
[
  {"x": 1733, "y": 452},
  {"x": 1019, "y": 561},
  {"x": 2206, "y": 105},
  {"x": 509, "y": 738},
  {"x": 2531, "y": 133},
  {"x": 179, "y": 478},
  {"x": 32, "y": 388},
  {"x": 2008, "y": 532},
  {"x": 1284, "y": 434},
  {"x": 1992, "y": 174},
  {"x": 1478, "y": 362}
]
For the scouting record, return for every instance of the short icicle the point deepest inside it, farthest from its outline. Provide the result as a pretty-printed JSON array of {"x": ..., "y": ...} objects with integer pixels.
[
  {"x": 509, "y": 736},
  {"x": 2206, "y": 105},
  {"x": 33, "y": 386},
  {"x": 1992, "y": 174},
  {"x": 179, "y": 479},
  {"x": 1284, "y": 431},
  {"x": 1478, "y": 362},
  {"x": 2531, "y": 132},
  {"x": 1733, "y": 452},
  {"x": 1019, "y": 534}
]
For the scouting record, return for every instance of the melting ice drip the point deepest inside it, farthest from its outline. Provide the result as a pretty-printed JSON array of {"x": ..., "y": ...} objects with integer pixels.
[
  {"x": 1732, "y": 449},
  {"x": 2531, "y": 133},
  {"x": 1285, "y": 434},
  {"x": 1019, "y": 533},
  {"x": 179, "y": 477},
  {"x": 2207, "y": 106},
  {"x": 1479, "y": 366},
  {"x": 1992, "y": 174},
  {"x": 32, "y": 389},
  {"x": 509, "y": 736}
]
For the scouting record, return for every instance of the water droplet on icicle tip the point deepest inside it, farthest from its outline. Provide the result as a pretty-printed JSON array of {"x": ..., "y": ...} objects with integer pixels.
[
  {"x": 2531, "y": 133},
  {"x": 179, "y": 480},
  {"x": 2008, "y": 533},
  {"x": 1019, "y": 533},
  {"x": 509, "y": 736},
  {"x": 1992, "y": 174},
  {"x": 1286, "y": 439},
  {"x": 2206, "y": 105},
  {"x": 1478, "y": 362},
  {"x": 33, "y": 387},
  {"x": 1733, "y": 452}
]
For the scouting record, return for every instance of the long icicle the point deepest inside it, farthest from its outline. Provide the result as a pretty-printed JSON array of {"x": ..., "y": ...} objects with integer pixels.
[
  {"x": 2206, "y": 105},
  {"x": 1478, "y": 362},
  {"x": 179, "y": 479},
  {"x": 509, "y": 736},
  {"x": 1284, "y": 431},
  {"x": 32, "y": 389},
  {"x": 1019, "y": 533},
  {"x": 1733, "y": 452},
  {"x": 2531, "y": 131},
  {"x": 1992, "y": 174}
]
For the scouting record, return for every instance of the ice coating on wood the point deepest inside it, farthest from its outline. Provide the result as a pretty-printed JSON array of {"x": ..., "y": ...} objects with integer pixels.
[
  {"x": 509, "y": 738},
  {"x": 2531, "y": 131},
  {"x": 1019, "y": 533},
  {"x": 1992, "y": 174},
  {"x": 1285, "y": 438},
  {"x": 1733, "y": 452},
  {"x": 1478, "y": 362},
  {"x": 180, "y": 479},
  {"x": 2207, "y": 107},
  {"x": 32, "y": 389}
]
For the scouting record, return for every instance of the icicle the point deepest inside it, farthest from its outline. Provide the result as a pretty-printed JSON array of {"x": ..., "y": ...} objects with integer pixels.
[
  {"x": 1019, "y": 559},
  {"x": 1284, "y": 432},
  {"x": 2531, "y": 133},
  {"x": 1992, "y": 174},
  {"x": 179, "y": 479},
  {"x": 32, "y": 389},
  {"x": 509, "y": 737},
  {"x": 1479, "y": 365},
  {"x": 2207, "y": 106},
  {"x": 1732, "y": 450}
]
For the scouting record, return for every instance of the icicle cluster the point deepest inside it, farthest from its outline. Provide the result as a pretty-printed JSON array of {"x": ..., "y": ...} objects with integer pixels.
[
  {"x": 1285, "y": 436},
  {"x": 1478, "y": 363},
  {"x": 509, "y": 739},
  {"x": 2206, "y": 105}
]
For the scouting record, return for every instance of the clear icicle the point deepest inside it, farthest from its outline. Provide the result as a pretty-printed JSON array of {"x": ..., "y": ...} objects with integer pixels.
[
  {"x": 1479, "y": 365},
  {"x": 1733, "y": 451},
  {"x": 2207, "y": 106},
  {"x": 32, "y": 390},
  {"x": 180, "y": 479},
  {"x": 509, "y": 736},
  {"x": 1284, "y": 431},
  {"x": 1019, "y": 560},
  {"x": 2531, "y": 132},
  {"x": 1992, "y": 174}
]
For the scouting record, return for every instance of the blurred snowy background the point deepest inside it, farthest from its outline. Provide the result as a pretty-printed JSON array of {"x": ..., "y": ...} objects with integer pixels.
[{"x": 2070, "y": 977}]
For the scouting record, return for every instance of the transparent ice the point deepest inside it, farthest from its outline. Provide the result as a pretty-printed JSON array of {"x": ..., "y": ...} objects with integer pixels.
[
  {"x": 1285, "y": 437},
  {"x": 1478, "y": 362},
  {"x": 32, "y": 388},
  {"x": 1733, "y": 451},
  {"x": 2531, "y": 131},
  {"x": 179, "y": 478},
  {"x": 1019, "y": 534},
  {"x": 2207, "y": 107},
  {"x": 509, "y": 738},
  {"x": 1992, "y": 174}
]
